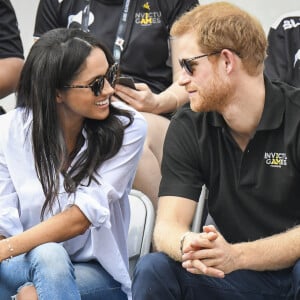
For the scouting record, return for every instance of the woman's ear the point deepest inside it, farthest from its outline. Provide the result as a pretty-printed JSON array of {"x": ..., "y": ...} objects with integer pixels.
[{"x": 59, "y": 96}]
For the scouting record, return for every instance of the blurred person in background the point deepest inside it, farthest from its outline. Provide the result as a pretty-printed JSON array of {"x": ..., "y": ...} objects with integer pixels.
[
  {"x": 11, "y": 50},
  {"x": 283, "y": 60}
]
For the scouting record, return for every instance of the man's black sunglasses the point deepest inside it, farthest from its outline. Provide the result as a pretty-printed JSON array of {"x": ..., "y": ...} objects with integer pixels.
[
  {"x": 185, "y": 63},
  {"x": 97, "y": 85}
]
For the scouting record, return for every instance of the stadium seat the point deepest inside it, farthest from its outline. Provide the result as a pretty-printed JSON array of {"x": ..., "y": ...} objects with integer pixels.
[{"x": 140, "y": 228}]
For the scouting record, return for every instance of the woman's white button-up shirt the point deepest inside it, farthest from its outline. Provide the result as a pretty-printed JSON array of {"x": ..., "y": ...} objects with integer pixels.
[{"x": 106, "y": 205}]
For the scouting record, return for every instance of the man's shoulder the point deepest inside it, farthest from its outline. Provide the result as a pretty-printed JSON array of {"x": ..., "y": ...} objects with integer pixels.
[
  {"x": 287, "y": 90},
  {"x": 293, "y": 95},
  {"x": 185, "y": 120},
  {"x": 289, "y": 96},
  {"x": 184, "y": 112}
]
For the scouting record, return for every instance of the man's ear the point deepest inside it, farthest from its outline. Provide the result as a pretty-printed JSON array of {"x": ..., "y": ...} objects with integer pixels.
[{"x": 229, "y": 59}]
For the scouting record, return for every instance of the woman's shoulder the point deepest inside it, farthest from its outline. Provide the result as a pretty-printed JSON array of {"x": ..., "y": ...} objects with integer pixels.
[
  {"x": 122, "y": 105},
  {"x": 13, "y": 122},
  {"x": 139, "y": 123},
  {"x": 9, "y": 116}
]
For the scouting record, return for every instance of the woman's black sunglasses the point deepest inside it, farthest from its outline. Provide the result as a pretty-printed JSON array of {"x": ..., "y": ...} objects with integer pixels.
[{"x": 97, "y": 85}]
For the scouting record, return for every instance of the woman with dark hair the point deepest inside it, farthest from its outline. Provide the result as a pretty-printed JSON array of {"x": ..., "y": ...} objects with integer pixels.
[
  {"x": 68, "y": 158},
  {"x": 137, "y": 33}
]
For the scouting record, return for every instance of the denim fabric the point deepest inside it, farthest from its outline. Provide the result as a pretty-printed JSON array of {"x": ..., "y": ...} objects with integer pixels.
[
  {"x": 159, "y": 277},
  {"x": 53, "y": 274}
]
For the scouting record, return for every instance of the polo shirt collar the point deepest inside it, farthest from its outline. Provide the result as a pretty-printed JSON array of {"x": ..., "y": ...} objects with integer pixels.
[{"x": 273, "y": 112}]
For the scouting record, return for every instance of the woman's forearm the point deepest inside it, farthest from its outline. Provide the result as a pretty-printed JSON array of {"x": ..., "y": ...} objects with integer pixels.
[{"x": 61, "y": 227}]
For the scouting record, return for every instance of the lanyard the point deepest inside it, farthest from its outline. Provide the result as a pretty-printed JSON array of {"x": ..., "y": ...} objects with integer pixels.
[{"x": 119, "y": 42}]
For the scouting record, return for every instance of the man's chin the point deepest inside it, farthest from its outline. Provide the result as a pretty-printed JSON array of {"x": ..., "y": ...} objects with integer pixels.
[{"x": 198, "y": 108}]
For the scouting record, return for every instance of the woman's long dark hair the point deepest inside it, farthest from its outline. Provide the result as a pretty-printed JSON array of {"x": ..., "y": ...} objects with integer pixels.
[{"x": 52, "y": 63}]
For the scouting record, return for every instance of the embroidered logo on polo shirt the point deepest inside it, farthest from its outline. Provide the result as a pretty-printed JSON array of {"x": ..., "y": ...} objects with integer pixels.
[
  {"x": 146, "y": 17},
  {"x": 275, "y": 159}
]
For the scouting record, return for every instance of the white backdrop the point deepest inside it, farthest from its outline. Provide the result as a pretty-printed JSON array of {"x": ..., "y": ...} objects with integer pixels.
[{"x": 267, "y": 11}]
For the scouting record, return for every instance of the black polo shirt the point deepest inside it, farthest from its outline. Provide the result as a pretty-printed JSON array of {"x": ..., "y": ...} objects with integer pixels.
[{"x": 252, "y": 194}]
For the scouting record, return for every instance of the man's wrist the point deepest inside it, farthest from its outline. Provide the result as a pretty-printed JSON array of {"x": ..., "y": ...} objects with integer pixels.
[{"x": 239, "y": 261}]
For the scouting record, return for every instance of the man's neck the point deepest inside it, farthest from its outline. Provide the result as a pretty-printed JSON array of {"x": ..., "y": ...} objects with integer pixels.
[{"x": 244, "y": 113}]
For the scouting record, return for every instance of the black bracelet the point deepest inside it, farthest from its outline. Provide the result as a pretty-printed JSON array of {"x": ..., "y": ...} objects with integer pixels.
[{"x": 182, "y": 241}]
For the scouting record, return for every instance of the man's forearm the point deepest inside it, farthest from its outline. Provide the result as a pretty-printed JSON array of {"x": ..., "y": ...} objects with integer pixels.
[
  {"x": 167, "y": 239},
  {"x": 273, "y": 253}
]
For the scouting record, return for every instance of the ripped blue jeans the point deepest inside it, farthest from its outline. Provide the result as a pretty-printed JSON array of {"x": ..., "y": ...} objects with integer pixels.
[{"x": 49, "y": 268}]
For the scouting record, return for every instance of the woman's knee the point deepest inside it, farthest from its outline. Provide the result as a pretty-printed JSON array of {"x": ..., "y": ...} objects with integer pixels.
[
  {"x": 51, "y": 259},
  {"x": 49, "y": 253}
]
